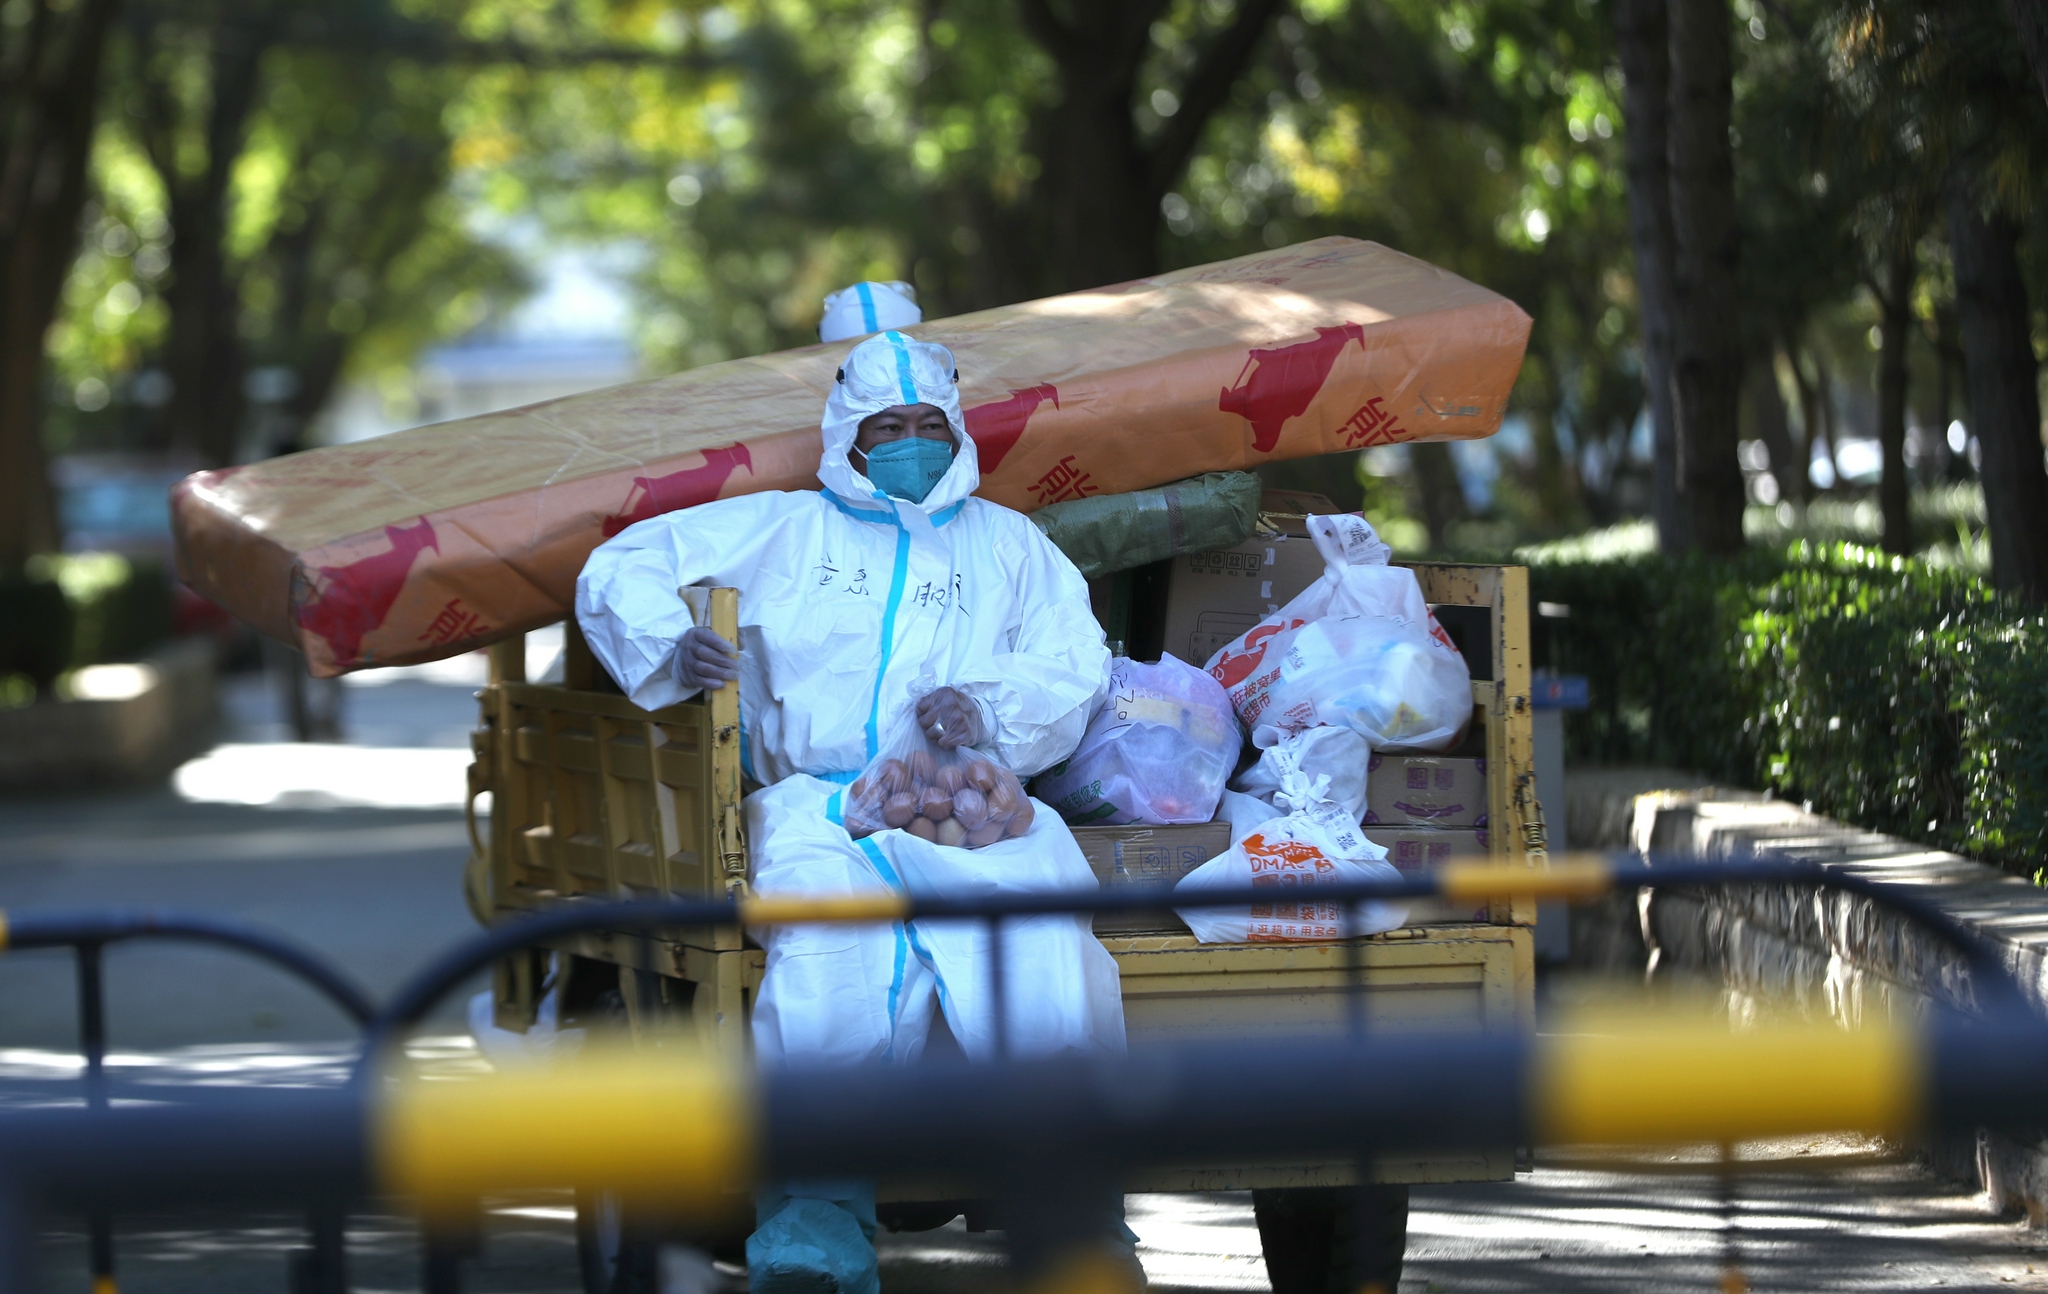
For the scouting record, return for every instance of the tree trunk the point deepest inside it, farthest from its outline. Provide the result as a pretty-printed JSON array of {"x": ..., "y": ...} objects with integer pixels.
[
  {"x": 1104, "y": 218},
  {"x": 1809, "y": 420},
  {"x": 1893, "y": 489},
  {"x": 1442, "y": 498},
  {"x": 2005, "y": 413},
  {"x": 1767, "y": 417},
  {"x": 203, "y": 350},
  {"x": 49, "y": 134},
  {"x": 1706, "y": 348},
  {"x": 1102, "y": 184},
  {"x": 1642, "y": 38},
  {"x": 2031, "y": 17},
  {"x": 1824, "y": 404}
]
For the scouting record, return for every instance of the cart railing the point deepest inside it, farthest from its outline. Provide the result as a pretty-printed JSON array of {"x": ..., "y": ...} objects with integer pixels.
[{"x": 88, "y": 933}]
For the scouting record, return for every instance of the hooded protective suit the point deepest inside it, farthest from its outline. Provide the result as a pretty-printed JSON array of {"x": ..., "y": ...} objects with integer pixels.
[
  {"x": 868, "y": 307},
  {"x": 847, "y": 598}
]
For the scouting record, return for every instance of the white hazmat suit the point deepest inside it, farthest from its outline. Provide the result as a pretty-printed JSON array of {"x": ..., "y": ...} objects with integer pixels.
[
  {"x": 868, "y": 307},
  {"x": 849, "y": 598}
]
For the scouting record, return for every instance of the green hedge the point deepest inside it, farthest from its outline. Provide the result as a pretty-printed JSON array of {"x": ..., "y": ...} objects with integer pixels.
[
  {"x": 1900, "y": 696},
  {"x": 74, "y": 610}
]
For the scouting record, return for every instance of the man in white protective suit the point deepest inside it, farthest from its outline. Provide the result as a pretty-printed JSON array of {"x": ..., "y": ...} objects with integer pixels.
[{"x": 890, "y": 590}]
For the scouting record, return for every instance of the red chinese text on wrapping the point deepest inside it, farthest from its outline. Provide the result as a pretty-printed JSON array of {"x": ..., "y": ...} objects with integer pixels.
[
  {"x": 1372, "y": 425},
  {"x": 454, "y": 621},
  {"x": 1064, "y": 481}
]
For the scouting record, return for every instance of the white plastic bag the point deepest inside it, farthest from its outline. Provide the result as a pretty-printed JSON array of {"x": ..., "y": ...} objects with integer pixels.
[
  {"x": 1338, "y": 754},
  {"x": 1244, "y": 813},
  {"x": 1357, "y": 649},
  {"x": 960, "y": 798},
  {"x": 1159, "y": 749},
  {"x": 1317, "y": 844}
]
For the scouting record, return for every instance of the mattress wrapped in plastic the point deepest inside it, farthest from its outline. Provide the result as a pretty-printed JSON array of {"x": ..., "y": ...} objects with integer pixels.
[{"x": 434, "y": 541}]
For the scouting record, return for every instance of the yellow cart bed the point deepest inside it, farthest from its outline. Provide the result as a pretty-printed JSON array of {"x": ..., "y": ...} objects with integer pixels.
[{"x": 594, "y": 797}]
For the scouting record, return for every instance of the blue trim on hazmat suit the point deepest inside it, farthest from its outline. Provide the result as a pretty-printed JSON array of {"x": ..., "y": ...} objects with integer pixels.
[{"x": 847, "y": 598}]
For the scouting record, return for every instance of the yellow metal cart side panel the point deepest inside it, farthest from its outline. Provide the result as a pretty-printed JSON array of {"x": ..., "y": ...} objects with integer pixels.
[
  {"x": 1455, "y": 977},
  {"x": 1514, "y": 831}
]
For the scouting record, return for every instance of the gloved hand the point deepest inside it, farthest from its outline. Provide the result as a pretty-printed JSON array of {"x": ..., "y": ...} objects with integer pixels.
[
  {"x": 950, "y": 719},
  {"x": 703, "y": 659}
]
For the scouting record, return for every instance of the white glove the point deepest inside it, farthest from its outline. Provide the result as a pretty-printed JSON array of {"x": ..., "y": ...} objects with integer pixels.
[
  {"x": 703, "y": 659},
  {"x": 950, "y": 719}
]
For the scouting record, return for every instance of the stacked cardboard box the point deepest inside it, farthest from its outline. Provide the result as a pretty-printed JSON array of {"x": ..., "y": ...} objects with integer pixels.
[
  {"x": 1141, "y": 855},
  {"x": 1425, "y": 810},
  {"x": 1211, "y": 598}
]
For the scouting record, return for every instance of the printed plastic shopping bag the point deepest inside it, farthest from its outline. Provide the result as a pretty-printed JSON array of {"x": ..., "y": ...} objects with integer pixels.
[
  {"x": 1357, "y": 649},
  {"x": 1318, "y": 845},
  {"x": 952, "y": 797},
  {"x": 1158, "y": 750},
  {"x": 1339, "y": 755}
]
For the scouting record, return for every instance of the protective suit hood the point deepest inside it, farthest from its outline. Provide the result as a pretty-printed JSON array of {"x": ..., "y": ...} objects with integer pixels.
[
  {"x": 869, "y": 307},
  {"x": 882, "y": 372}
]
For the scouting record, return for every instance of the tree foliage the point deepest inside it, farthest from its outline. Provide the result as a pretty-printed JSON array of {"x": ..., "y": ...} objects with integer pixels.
[{"x": 288, "y": 195}]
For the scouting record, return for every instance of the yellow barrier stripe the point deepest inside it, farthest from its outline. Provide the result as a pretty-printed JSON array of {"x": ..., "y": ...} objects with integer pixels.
[
  {"x": 105, "y": 1285},
  {"x": 857, "y": 907},
  {"x": 1565, "y": 879},
  {"x": 673, "y": 1125},
  {"x": 3, "y": 930},
  {"x": 1646, "y": 1079}
]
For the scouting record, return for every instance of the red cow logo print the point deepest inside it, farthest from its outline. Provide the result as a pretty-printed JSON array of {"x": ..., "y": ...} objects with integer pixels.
[
  {"x": 347, "y": 601},
  {"x": 653, "y": 495},
  {"x": 1281, "y": 382},
  {"x": 998, "y": 425}
]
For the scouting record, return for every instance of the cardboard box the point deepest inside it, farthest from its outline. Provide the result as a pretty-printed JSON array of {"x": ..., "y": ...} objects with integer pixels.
[
  {"x": 1415, "y": 849},
  {"x": 1213, "y": 597},
  {"x": 1147, "y": 856},
  {"x": 1425, "y": 791}
]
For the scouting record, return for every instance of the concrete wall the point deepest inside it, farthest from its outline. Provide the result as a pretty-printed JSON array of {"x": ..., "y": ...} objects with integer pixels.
[
  {"x": 1815, "y": 953},
  {"x": 141, "y": 733}
]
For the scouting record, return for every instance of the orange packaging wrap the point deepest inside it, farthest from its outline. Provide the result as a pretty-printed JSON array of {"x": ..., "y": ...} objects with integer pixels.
[{"x": 430, "y": 542}]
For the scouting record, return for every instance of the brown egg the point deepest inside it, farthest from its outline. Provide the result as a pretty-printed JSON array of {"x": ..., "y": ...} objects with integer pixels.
[
  {"x": 923, "y": 768},
  {"x": 893, "y": 775},
  {"x": 1020, "y": 821},
  {"x": 900, "y": 809},
  {"x": 970, "y": 806},
  {"x": 952, "y": 833},
  {"x": 862, "y": 818},
  {"x": 923, "y": 829},
  {"x": 950, "y": 778},
  {"x": 1003, "y": 798},
  {"x": 986, "y": 834},
  {"x": 935, "y": 804}
]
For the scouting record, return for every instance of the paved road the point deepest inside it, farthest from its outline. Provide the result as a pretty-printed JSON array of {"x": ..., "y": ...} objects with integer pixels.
[
  {"x": 319, "y": 856},
  {"x": 375, "y": 888},
  {"x": 1844, "y": 1217}
]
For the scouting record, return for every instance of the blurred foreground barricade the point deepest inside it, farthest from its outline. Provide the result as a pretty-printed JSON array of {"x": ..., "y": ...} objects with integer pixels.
[{"x": 682, "y": 1131}]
